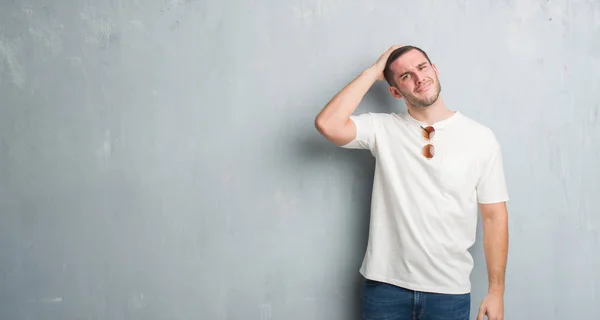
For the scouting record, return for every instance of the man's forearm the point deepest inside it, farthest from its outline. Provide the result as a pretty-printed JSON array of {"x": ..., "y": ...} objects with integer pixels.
[
  {"x": 495, "y": 243},
  {"x": 337, "y": 112}
]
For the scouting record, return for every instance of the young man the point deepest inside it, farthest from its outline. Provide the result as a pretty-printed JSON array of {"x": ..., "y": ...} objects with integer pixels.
[{"x": 434, "y": 168}]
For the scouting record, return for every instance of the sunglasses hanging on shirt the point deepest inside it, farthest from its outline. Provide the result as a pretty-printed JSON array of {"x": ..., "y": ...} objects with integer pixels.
[{"x": 428, "y": 134}]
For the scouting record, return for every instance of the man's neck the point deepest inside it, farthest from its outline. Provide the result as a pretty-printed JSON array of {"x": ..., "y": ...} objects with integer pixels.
[{"x": 432, "y": 114}]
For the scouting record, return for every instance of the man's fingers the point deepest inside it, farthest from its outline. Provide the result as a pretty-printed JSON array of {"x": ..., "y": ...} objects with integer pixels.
[{"x": 481, "y": 313}]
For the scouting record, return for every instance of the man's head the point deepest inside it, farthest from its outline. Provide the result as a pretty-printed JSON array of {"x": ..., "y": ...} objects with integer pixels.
[{"x": 411, "y": 75}]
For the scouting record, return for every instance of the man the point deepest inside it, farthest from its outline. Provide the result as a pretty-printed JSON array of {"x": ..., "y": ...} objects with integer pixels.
[{"x": 434, "y": 168}]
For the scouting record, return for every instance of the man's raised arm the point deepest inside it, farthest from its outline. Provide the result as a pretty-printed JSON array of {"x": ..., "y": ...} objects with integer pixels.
[{"x": 333, "y": 122}]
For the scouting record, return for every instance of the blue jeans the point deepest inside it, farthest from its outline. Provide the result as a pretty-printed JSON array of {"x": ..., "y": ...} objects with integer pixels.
[{"x": 385, "y": 301}]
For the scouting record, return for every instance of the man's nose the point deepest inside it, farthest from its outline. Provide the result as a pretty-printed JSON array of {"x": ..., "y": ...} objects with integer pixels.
[{"x": 419, "y": 77}]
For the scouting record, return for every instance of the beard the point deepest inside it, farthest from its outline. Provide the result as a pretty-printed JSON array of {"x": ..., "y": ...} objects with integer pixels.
[{"x": 432, "y": 96}]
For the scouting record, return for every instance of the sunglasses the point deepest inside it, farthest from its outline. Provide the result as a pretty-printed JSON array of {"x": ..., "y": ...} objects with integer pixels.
[{"x": 428, "y": 134}]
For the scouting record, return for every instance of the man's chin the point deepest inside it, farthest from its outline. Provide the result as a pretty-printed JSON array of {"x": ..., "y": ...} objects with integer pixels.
[{"x": 424, "y": 103}]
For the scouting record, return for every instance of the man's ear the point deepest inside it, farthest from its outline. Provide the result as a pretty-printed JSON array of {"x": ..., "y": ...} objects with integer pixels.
[
  {"x": 394, "y": 92},
  {"x": 435, "y": 69}
]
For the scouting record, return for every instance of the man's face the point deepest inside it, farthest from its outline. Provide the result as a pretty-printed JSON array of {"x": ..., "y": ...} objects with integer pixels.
[{"x": 415, "y": 79}]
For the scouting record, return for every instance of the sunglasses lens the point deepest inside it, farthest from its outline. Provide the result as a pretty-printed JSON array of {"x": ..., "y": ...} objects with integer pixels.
[
  {"x": 428, "y": 132},
  {"x": 428, "y": 151}
]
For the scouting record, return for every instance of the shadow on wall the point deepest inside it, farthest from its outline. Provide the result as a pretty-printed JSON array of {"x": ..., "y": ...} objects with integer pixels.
[
  {"x": 341, "y": 170},
  {"x": 381, "y": 99},
  {"x": 334, "y": 171}
]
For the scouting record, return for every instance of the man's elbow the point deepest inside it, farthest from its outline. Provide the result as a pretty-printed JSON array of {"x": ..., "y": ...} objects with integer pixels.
[
  {"x": 320, "y": 124},
  {"x": 325, "y": 128},
  {"x": 336, "y": 134}
]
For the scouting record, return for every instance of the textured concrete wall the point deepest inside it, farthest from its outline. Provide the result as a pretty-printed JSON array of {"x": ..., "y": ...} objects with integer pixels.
[{"x": 158, "y": 159}]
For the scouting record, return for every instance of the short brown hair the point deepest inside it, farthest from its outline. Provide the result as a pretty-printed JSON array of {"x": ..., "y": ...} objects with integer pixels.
[{"x": 387, "y": 73}]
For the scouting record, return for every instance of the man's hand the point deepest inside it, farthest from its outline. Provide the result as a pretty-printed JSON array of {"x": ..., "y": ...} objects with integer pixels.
[
  {"x": 380, "y": 64},
  {"x": 492, "y": 307}
]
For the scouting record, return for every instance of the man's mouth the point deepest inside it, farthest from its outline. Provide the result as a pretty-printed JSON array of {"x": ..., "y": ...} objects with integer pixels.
[{"x": 423, "y": 87}]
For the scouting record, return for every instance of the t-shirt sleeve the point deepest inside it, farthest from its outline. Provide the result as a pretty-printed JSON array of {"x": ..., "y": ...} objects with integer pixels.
[
  {"x": 365, "y": 132},
  {"x": 491, "y": 187}
]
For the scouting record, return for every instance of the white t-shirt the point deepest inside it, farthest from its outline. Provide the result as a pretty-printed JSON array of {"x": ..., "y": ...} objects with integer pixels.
[{"x": 424, "y": 211}]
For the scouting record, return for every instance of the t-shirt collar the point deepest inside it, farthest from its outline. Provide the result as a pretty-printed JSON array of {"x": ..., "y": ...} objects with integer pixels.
[{"x": 438, "y": 125}]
